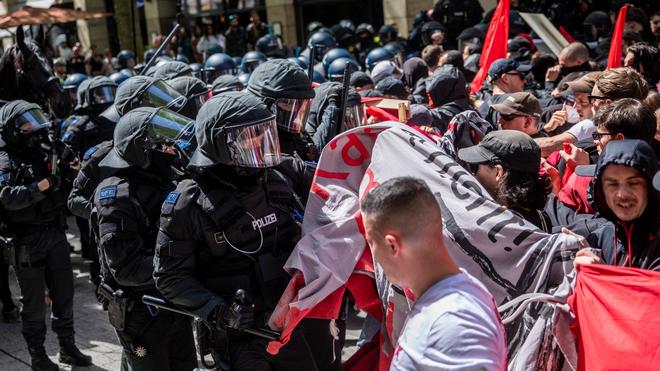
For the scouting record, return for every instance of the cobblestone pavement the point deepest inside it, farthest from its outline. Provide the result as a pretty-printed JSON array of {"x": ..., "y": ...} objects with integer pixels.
[{"x": 94, "y": 335}]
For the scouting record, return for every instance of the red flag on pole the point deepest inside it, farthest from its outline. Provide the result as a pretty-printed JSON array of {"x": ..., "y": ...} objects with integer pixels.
[
  {"x": 614, "y": 58},
  {"x": 495, "y": 45}
]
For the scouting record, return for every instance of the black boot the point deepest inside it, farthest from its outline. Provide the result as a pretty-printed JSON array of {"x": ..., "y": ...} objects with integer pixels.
[
  {"x": 70, "y": 354},
  {"x": 40, "y": 360}
]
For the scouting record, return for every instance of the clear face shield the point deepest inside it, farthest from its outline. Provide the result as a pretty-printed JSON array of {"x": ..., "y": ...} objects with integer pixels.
[
  {"x": 30, "y": 122},
  {"x": 168, "y": 130},
  {"x": 354, "y": 116},
  {"x": 249, "y": 67},
  {"x": 103, "y": 95},
  {"x": 159, "y": 94},
  {"x": 254, "y": 146},
  {"x": 292, "y": 114},
  {"x": 212, "y": 74}
]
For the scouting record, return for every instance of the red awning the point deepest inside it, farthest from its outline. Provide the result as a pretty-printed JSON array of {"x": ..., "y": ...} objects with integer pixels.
[{"x": 33, "y": 16}]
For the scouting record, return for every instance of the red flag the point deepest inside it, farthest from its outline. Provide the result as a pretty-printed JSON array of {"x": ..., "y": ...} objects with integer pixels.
[
  {"x": 495, "y": 45},
  {"x": 617, "y": 323},
  {"x": 614, "y": 58}
]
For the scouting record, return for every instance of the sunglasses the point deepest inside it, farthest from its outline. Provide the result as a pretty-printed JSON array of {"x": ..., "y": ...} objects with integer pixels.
[
  {"x": 593, "y": 98},
  {"x": 597, "y": 136},
  {"x": 509, "y": 117}
]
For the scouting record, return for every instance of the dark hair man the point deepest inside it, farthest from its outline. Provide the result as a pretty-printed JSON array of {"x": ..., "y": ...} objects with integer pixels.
[
  {"x": 507, "y": 164},
  {"x": 454, "y": 321},
  {"x": 622, "y": 192}
]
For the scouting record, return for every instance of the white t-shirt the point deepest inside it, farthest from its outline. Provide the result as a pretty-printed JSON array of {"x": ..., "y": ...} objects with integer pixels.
[
  {"x": 454, "y": 325},
  {"x": 582, "y": 130}
]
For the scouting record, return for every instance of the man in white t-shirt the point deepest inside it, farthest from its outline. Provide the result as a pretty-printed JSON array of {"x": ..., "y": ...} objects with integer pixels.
[{"x": 453, "y": 324}]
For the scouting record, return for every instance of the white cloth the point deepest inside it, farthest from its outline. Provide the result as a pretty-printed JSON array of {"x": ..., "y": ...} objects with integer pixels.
[
  {"x": 454, "y": 325},
  {"x": 207, "y": 42},
  {"x": 583, "y": 130}
]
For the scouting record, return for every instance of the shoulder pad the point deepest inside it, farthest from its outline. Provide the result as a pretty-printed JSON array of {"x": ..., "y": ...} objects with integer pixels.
[
  {"x": 89, "y": 153},
  {"x": 108, "y": 195},
  {"x": 4, "y": 178},
  {"x": 170, "y": 201},
  {"x": 66, "y": 136}
]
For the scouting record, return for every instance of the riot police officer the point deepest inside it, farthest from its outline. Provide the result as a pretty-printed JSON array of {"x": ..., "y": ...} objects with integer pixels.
[
  {"x": 89, "y": 129},
  {"x": 169, "y": 70},
  {"x": 195, "y": 91},
  {"x": 287, "y": 91},
  {"x": 127, "y": 207},
  {"x": 70, "y": 85},
  {"x": 226, "y": 83},
  {"x": 251, "y": 60},
  {"x": 143, "y": 91},
  {"x": 33, "y": 206},
  {"x": 323, "y": 119},
  {"x": 218, "y": 64},
  {"x": 232, "y": 227}
]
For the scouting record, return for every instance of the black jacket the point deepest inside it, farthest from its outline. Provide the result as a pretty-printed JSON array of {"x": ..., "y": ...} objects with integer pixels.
[
  {"x": 618, "y": 239},
  {"x": 80, "y": 200},
  {"x": 447, "y": 89},
  {"x": 128, "y": 211},
  {"x": 24, "y": 208},
  {"x": 204, "y": 224}
]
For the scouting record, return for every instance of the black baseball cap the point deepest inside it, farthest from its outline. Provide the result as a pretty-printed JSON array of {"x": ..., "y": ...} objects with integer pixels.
[
  {"x": 505, "y": 65},
  {"x": 513, "y": 149}
]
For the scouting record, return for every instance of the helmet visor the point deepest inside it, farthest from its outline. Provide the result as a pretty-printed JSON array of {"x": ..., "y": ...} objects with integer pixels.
[
  {"x": 292, "y": 114},
  {"x": 212, "y": 73},
  {"x": 159, "y": 94},
  {"x": 255, "y": 146},
  {"x": 30, "y": 121},
  {"x": 169, "y": 127},
  {"x": 354, "y": 116},
  {"x": 199, "y": 99},
  {"x": 103, "y": 95},
  {"x": 249, "y": 67}
]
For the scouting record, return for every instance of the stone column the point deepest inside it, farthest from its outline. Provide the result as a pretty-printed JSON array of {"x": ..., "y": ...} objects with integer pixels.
[
  {"x": 128, "y": 26},
  {"x": 283, "y": 11},
  {"x": 93, "y": 31},
  {"x": 160, "y": 14},
  {"x": 402, "y": 12}
]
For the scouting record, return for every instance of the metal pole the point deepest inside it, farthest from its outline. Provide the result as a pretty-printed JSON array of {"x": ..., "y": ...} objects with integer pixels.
[{"x": 159, "y": 51}]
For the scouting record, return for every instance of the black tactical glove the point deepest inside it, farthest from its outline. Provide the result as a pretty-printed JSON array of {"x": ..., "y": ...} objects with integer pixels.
[
  {"x": 235, "y": 315},
  {"x": 54, "y": 182}
]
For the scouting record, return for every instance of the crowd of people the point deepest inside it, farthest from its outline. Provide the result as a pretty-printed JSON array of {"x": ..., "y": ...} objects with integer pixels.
[{"x": 189, "y": 179}]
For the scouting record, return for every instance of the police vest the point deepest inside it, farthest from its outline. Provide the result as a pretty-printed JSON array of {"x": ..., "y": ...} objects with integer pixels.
[
  {"x": 249, "y": 239},
  {"x": 20, "y": 171}
]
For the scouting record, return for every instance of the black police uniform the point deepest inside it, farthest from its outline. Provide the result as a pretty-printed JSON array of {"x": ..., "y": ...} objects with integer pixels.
[
  {"x": 282, "y": 79},
  {"x": 231, "y": 228},
  {"x": 127, "y": 208},
  {"x": 37, "y": 221}
]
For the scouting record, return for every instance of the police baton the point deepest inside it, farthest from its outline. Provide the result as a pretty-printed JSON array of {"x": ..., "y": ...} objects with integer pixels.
[
  {"x": 162, "y": 304},
  {"x": 344, "y": 95},
  {"x": 159, "y": 51},
  {"x": 310, "y": 67}
]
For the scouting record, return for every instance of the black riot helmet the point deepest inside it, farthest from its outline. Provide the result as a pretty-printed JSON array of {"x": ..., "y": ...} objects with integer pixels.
[
  {"x": 286, "y": 90},
  {"x": 218, "y": 64},
  {"x": 126, "y": 59},
  {"x": 22, "y": 125},
  {"x": 251, "y": 60},
  {"x": 196, "y": 92},
  {"x": 143, "y": 91},
  {"x": 170, "y": 70},
  {"x": 148, "y": 138},
  {"x": 95, "y": 95},
  {"x": 321, "y": 41},
  {"x": 71, "y": 84},
  {"x": 271, "y": 46},
  {"x": 226, "y": 83},
  {"x": 196, "y": 69},
  {"x": 235, "y": 129}
]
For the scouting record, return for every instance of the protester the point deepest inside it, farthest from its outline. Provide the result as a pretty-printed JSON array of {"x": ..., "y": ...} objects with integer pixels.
[
  {"x": 447, "y": 95},
  {"x": 507, "y": 164},
  {"x": 506, "y": 77},
  {"x": 623, "y": 193},
  {"x": 521, "y": 112},
  {"x": 453, "y": 323}
]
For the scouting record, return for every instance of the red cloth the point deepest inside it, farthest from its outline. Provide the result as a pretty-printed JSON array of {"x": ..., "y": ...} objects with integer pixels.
[
  {"x": 617, "y": 323},
  {"x": 614, "y": 58},
  {"x": 574, "y": 194},
  {"x": 495, "y": 45}
]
